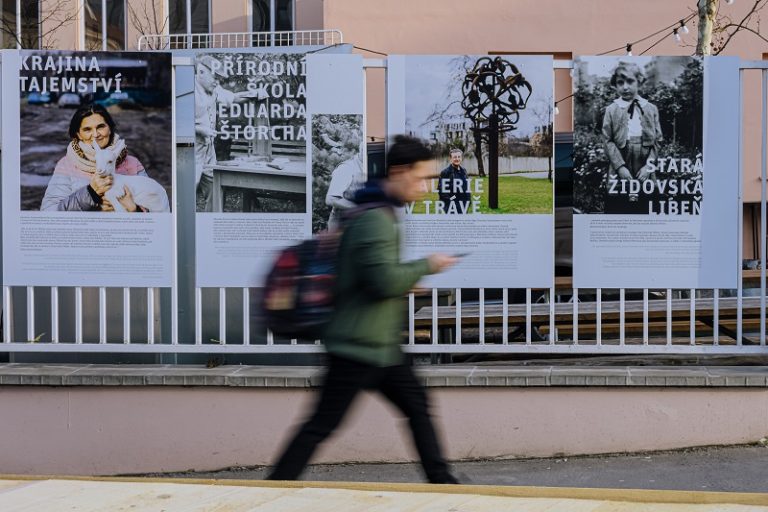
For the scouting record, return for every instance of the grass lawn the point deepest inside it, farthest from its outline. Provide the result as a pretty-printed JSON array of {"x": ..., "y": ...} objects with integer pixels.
[{"x": 516, "y": 195}]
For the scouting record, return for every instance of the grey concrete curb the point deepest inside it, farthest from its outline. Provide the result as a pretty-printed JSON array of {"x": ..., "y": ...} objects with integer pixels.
[{"x": 17, "y": 374}]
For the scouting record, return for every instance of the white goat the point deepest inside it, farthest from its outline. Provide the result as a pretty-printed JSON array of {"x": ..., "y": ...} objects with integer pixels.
[{"x": 146, "y": 191}]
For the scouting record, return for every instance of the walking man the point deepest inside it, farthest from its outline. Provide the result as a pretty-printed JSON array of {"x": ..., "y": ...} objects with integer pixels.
[{"x": 364, "y": 335}]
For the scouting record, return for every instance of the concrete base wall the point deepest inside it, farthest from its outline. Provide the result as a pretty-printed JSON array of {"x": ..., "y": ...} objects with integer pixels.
[{"x": 117, "y": 430}]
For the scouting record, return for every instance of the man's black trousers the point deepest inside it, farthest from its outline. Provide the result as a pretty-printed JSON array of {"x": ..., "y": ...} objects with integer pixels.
[{"x": 344, "y": 380}]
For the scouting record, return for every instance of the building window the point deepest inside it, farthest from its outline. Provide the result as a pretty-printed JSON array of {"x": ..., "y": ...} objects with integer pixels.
[
  {"x": 9, "y": 24},
  {"x": 283, "y": 14},
  {"x": 260, "y": 18},
  {"x": 177, "y": 16},
  {"x": 198, "y": 21},
  {"x": 24, "y": 35},
  {"x": 271, "y": 15},
  {"x": 104, "y": 26}
]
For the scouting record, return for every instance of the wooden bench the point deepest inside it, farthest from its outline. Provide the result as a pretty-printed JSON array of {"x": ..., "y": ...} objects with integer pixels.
[{"x": 659, "y": 314}]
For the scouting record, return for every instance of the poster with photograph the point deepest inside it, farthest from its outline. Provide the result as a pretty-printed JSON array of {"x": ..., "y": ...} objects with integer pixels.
[
  {"x": 253, "y": 149},
  {"x": 250, "y": 129},
  {"x": 655, "y": 174},
  {"x": 489, "y": 122},
  {"x": 338, "y": 169},
  {"x": 87, "y": 192}
]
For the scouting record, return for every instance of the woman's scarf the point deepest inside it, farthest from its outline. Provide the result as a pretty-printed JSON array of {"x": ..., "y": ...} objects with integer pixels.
[{"x": 83, "y": 156}]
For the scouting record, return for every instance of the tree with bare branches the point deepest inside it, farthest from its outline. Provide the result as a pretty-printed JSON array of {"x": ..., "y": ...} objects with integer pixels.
[
  {"x": 40, "y": 24},
  {"x": 542, "y": 140},
  {"x": 717, "y": 29},
  {"x": 147, "y": 18},
  {"x": 450, "y": 108}
]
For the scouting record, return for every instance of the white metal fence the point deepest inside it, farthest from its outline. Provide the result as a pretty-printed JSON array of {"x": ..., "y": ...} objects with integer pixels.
[
  {"x": 239, "y": 39},
  {"x": 458, "y": 321}
]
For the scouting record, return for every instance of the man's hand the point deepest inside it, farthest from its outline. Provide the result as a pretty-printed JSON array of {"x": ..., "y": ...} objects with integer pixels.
[
  {"x": 439, "y": 262},
  {"x": 250, "y": 95},
  {"x": 644, "y": 174},
  {"x": 624, "y": 173},
  {"x": 205, "y": 131}
]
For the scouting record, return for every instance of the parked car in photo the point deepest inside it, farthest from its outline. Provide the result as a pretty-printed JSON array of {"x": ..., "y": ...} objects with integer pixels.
[
  {"x": 38, "y": 98},
  {"x": 121, "y": 99},
  {"x": 69, "y": 100},
  {"x": 148, "y": 97}
]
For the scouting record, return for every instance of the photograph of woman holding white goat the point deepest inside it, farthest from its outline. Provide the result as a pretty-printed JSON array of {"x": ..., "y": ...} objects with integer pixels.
[{"x": 98, "y": 174}]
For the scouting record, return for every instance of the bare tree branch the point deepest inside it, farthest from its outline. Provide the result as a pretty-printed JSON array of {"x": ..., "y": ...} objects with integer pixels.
[
  {"x": 58, "y": 16},
  {"x": 439, "y": 115},
  {"x": 148, "y": 21},
  {"x": 742, "y": 25},
  {"x": 717, "y": 30},
  {"x": 748, "y": 29},
  {"x": 40, "y": 24}
]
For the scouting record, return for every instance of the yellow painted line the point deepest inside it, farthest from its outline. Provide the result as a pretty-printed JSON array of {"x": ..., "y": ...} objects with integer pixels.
[{"x": 617, "y": 495}]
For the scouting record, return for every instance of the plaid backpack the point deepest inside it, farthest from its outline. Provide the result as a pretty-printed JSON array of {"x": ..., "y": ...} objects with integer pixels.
[{"x": 299, "y": 291}]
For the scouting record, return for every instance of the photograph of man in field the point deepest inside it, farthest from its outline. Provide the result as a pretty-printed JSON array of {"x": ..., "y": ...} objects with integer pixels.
[{"x": 435, "y": 89}]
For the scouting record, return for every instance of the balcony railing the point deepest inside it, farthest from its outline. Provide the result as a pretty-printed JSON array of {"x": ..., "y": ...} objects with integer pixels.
[{"x": 240, "y": 39}]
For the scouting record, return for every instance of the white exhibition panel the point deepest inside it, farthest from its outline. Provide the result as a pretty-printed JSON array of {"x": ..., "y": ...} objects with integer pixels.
[
  {"x": 498, "y": 249},
  {"x": 690, "y": 249},
  {"x": 237, "y": 249},
  {"x": 77, "y": 248}
]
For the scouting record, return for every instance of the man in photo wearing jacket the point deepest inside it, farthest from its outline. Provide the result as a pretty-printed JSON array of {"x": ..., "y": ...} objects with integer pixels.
[{"x": 453, "y": 186}]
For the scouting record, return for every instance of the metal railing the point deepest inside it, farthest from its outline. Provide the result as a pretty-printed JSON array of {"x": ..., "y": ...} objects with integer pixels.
[
  {"x": 239, "y": 39},
  {"x": 454, "y": 321}
]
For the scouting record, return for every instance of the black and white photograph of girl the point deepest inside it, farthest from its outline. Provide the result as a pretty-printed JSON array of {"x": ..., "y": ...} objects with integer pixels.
[
  {"x": 95, "y": 132},
  {"x": 638, "y": 131},
  {"x": 338, "y": 171}
]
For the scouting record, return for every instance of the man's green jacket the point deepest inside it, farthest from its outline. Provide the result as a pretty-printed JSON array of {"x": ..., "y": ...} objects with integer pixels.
[{"x": 367, "y": 322}]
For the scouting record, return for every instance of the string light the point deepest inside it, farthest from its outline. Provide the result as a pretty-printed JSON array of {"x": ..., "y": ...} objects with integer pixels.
[
  {"x": 664, "y": 31},
  {"x": 676, "y": 31}
]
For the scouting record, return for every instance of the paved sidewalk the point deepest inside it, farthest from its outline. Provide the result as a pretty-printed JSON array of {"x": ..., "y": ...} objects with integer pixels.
[
  {"x": 91, "y": 495},
  {"x": 727, "y": 469}
]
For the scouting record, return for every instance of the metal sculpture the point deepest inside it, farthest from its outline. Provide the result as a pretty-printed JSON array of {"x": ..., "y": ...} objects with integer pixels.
[{"x": 494, "y": 92}]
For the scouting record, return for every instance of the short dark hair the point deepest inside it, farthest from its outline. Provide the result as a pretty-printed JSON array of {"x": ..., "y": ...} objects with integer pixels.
[
  {"x": 87, "y": 111},
  {"x": 406, "y": 150}
]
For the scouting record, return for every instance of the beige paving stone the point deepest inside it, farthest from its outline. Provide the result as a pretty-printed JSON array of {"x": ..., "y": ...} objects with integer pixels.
[{"x": 154, "y": 495}]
